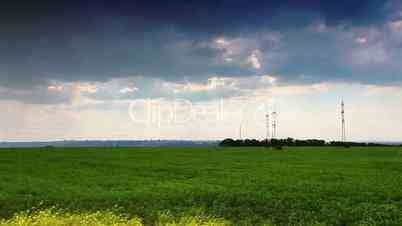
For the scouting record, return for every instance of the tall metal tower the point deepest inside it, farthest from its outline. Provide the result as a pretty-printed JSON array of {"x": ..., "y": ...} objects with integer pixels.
[
  {"x": 343, "y": 121},
  {"x": 267, "y": 125},
  {"x": 273, "y": 124},
  {"x": 240, "y": 130}
]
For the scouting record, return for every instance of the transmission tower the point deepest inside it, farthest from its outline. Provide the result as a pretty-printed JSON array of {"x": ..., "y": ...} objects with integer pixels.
[
  {"x": 343, "y": 121},
  {"x": 267, "y": 125},
  {"x": 274, "y": 125},
  {"x": 240, "y": 130}
]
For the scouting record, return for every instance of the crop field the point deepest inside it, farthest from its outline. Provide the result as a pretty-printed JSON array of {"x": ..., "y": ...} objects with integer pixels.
[{"x": 201, "y": 186}]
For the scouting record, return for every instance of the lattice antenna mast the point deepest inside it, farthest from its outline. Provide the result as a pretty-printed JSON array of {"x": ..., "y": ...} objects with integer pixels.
[
  {"x": 240, "y": 132},
  {"x": 267, "y": 126},
  {"x": 274, "y": 124},
  {"x": 343, "y": 121}
]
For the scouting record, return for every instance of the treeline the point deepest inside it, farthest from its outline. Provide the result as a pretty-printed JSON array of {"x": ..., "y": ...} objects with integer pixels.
[{"x": 294, "y": 142}]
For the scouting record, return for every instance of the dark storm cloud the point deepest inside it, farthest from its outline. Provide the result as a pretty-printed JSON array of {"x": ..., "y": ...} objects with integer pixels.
[
  {"x": 99, "y": 44},
  {"x": 201, "y": 17},
  {"x": 173, "y": 40}
]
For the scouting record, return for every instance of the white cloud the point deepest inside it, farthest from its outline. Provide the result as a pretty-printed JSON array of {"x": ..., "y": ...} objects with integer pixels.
[
  {"x": 228, "y": 59},
  {"x": 293, "y": 90},
  {"x": 186, "y": 87},
  {"x": 371, "y": 54},
  {"x": 221, "y": 41},
  {"x": 318, "y": 27},
  {"x": 247, "y": 50},
  {"x": 87, "y": 87},
  {"x": 361, "y": 40},
  {"x": 396, "y": 24},
  {"x": 254, "y": 59},
  {"x": 396, "y": 29},
  {"x": 376, "y": 90},
  {"x": 128, "y": 90},
  {"x": 268, "y": 79},
  {"x": 56, "y": 88},
  {"x": 82, "y": 120}
]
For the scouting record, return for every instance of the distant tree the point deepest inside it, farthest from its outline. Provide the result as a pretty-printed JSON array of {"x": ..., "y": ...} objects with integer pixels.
[
  {"x": 228, "y": 143},
  {"x": 277, "y": 143},
  {"x": 292, "y": 142},
  {"x": 239, "y": 143},
  {"x": 289, "y": 141},
  {"x": 266, "y": 143},
  {"x": 255, "y": 143}
]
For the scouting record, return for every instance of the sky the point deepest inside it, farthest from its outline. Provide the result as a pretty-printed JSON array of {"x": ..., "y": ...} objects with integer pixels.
[{"x": 200, "y": 69}]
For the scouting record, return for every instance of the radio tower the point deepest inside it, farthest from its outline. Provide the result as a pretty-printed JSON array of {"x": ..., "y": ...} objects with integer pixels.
[
  {"x": 343, "y": 121},
  {"x": 273, "y": 124},
  {"x": 267, "y": 125},
  {"x": 240, "y": 135}
]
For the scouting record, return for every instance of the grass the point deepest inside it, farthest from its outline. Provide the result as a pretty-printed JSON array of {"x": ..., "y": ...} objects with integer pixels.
[{"x": 201, "y": 186}]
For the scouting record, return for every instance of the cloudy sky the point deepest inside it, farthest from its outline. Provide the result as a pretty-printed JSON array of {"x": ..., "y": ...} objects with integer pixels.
[{"x": 200, "y": 69}]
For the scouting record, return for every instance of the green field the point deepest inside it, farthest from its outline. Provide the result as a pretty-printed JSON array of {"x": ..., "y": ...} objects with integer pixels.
[{"x": 241, "y": 186}]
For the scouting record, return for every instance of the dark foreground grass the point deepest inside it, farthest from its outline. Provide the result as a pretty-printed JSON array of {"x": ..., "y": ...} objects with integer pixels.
[{"x": 245, "y": 186}]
